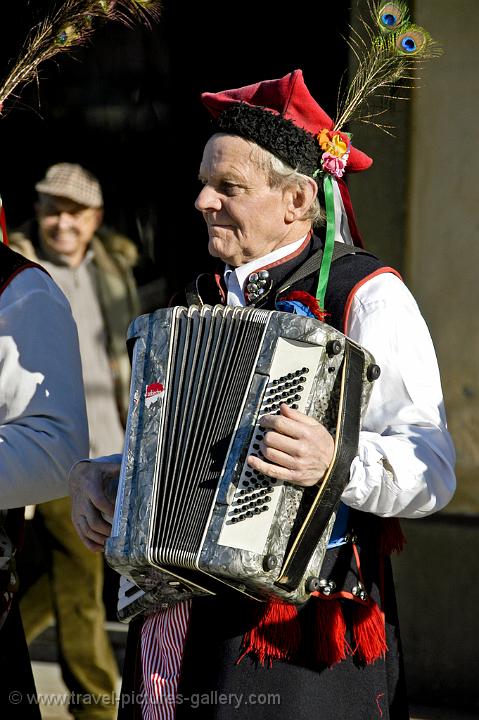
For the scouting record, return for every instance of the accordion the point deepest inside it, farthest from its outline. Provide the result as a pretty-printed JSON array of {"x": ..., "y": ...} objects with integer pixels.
[{"x": 191, "y": 516}]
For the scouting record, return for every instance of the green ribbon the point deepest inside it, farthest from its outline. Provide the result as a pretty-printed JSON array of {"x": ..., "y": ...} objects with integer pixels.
[{"x": 329, "y": 242}]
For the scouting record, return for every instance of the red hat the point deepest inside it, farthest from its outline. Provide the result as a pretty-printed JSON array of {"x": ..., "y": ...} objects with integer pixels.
[{"x": 281, "y": 116}]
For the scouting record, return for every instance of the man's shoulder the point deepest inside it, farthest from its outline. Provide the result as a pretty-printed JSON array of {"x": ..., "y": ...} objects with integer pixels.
[
  {"x": 354, "y": 263},
  {"x": 349, "y": 271}
]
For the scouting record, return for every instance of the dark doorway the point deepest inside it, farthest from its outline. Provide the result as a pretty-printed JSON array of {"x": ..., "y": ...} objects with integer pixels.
[{"x": 127, "y": 107}]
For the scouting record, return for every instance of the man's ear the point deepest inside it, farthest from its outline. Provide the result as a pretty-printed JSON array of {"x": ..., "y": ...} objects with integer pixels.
[{"x": 300, "y": 197}]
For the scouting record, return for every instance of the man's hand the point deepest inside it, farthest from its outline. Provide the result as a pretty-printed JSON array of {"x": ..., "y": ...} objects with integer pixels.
[
  {"x": 296, "y": 448},
  {"x": 93, "y": 489}
]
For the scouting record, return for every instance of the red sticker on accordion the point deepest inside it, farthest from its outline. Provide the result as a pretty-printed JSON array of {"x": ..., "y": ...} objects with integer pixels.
[{"x": 153, "y": 392}]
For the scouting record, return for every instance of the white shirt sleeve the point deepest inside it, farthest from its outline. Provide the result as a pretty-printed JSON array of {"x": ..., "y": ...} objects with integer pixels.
[
  {"x": 405, "y": 463},
  {"x": 43, "y": 425}
]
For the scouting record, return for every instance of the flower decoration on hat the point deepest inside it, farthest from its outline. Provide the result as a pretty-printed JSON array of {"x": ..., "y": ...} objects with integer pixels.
[{"x": 335, "y": 152}]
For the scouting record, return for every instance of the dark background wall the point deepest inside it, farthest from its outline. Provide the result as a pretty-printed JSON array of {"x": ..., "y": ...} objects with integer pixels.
[{"x": 127, "y": 107}]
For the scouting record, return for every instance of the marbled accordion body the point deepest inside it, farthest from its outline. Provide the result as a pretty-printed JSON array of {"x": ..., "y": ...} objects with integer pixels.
[{"x": 191, "y": 516}]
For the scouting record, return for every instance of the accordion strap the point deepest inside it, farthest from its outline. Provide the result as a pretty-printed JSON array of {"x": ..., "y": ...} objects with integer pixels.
[
  {"x": 329, "y": 494},
  {"x": 312, "y": 264}
]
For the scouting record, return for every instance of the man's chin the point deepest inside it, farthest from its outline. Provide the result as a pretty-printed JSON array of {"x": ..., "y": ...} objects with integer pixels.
[
  {"x": 215, "y": 248},
  {"x": 60, "y": 248}
]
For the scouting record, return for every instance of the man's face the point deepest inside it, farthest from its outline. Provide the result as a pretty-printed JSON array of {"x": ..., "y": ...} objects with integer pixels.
[
  {"x": 244, "y": 215},
  {"x": 66, "y": 227}
]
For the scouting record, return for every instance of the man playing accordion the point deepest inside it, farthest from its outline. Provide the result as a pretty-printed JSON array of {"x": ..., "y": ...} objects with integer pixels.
[{"x": 272, "y": 163}]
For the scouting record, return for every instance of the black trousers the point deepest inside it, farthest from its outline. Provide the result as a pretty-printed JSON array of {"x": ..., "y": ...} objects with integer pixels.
[
  {"x": 18, "y": 700},
  {"x": 214, "y": 687}
]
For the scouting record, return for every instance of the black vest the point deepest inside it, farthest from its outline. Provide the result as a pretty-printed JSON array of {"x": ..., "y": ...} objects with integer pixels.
[{"x": 349, "y": 267}]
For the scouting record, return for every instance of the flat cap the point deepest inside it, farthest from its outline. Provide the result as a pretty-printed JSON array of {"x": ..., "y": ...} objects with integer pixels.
[{"x": 72, "y": 181}]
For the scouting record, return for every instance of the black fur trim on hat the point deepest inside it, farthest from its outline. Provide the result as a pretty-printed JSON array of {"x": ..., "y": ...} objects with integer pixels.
[{"x": 295, "y": 146}]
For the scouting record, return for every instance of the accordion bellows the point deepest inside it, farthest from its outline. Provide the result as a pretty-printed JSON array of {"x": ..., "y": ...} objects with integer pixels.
[{"x": 191, "y": 516}]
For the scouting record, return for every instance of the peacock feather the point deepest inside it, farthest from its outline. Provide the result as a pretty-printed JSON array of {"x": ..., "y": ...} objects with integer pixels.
[
  {"x": 67, "y": 25},
  {"x": 388, "y": 50},
  {"x": 391, "y": 16}
]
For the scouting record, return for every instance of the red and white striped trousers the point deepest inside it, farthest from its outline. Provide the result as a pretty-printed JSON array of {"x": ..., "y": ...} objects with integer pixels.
[{"x": 162, "y": 643}]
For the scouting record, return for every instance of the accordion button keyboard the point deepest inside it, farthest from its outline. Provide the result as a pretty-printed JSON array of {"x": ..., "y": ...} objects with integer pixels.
[{"x": 290, "y": 381}]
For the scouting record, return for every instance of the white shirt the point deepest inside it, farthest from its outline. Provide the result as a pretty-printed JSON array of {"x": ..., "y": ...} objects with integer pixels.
[
  {"x": 405, "y": 462},
  {"x": 43, "y": 427}
]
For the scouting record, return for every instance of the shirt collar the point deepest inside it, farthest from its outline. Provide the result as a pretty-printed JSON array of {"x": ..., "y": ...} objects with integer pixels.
[{"x": 244, "y": 271}]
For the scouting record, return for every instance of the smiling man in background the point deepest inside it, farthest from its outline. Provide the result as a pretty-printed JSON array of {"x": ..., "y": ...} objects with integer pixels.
[{"x": 92, "y": 265}]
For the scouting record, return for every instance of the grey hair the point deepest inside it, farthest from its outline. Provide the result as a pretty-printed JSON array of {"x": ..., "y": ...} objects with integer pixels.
[{"x": 282, "y": 175}]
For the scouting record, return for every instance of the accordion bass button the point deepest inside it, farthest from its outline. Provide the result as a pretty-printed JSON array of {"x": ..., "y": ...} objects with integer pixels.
[
  {"x": 333, "y": 347},
  {"x": 373, "y": 372},
  {"x": 312, "y": 584}
]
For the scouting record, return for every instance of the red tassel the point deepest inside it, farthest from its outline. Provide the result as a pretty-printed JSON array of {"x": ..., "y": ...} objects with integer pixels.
[
  {"x": 391, "y": 537},
  {"x": 277, "y": 635},
  {"x": 369, "y": 632},
  {"x": 330, "y": 644}
]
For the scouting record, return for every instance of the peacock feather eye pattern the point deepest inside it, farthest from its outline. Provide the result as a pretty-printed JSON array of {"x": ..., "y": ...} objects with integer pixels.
[
  {"x": 412, "y": 41},
  {"x": 388, "y": 49},
  {"x": 391, "y": 16}
]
